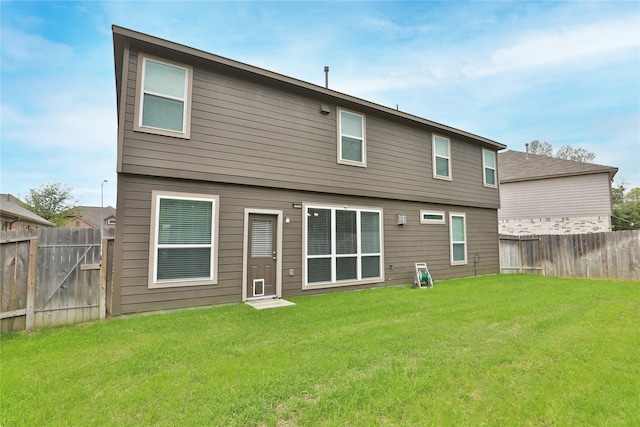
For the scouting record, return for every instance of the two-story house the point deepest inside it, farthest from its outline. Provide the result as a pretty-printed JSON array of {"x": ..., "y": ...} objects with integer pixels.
[{"x": 235, "y": 183}]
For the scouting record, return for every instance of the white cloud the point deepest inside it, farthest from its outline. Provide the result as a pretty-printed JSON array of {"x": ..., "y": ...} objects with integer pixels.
[
  {"x": 67, "y": 122},
  {"x": 552, "y": 47},
  {"x": 63, "y": 132},
  {"x": 418, "y": 63},
  {"x": 23, "y": 51}
]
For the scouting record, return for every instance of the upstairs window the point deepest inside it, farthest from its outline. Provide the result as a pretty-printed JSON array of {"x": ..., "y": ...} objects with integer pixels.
[
  {"x": 441, "y": 157},
  {"x": 352, "y": 148},
  {"x": 489, "y": 166},
  {"x": 163, "y": 104}
]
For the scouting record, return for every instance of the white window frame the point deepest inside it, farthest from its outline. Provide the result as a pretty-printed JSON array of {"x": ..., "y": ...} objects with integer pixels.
[
  {"x": 363, "y": 163},
  {"x": 424, "y": 220},
  {"x": 448, "y": 157},
  {"x": 485, "y": 167},
  {"x": 111, "y": 221},
  {"x": 333, "y": 283},
  {"x": 452, "y": 242},
  {"x": 186, "y": 118},
  {"x": 156, "y": 196}
]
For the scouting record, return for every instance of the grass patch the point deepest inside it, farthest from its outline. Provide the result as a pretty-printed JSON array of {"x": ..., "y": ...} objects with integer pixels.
[{"x": 498, "y": 350}]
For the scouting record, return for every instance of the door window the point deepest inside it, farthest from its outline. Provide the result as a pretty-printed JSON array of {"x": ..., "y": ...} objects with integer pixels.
[{"x": 261, "y": 238}]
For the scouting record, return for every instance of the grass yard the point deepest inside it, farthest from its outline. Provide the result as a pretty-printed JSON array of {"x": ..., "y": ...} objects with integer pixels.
[{"x": 508, "y": 350}]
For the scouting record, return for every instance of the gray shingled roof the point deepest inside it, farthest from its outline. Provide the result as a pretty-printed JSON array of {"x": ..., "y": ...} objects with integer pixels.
[
  {"x": 517, "y": 166},
  {"x": 12, "y": 209}
]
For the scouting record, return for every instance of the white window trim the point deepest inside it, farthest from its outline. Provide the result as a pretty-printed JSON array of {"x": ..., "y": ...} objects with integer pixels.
[
  {"x": 333, "y": 255},
  {"x": 153, "y": 239},
  {"x": 433, "y": 149},
  {"x": 451, "y": 241},
  {"x": 137, "y": 122},
  {"x": 363, "y": 163},
  {"x": 485, "y": 167},
  {"x": 424, "y": 220}
]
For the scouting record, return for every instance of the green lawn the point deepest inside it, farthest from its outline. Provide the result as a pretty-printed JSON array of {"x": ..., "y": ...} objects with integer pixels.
[{"x": 507, "y": 350}]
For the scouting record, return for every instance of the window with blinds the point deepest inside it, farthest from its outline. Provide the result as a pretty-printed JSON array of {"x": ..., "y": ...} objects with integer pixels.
[
  {"x": 261, "y": 238},
  {"x": 164, "y": 97},
  {"x": 343, "y": 246},
  {"x": 184, "y": 240}
]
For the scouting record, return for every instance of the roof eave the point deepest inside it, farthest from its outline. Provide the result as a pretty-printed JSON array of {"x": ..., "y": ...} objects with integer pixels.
[
  {"x": 609, "y": 171},
  {"x": 121, "y": 35}
]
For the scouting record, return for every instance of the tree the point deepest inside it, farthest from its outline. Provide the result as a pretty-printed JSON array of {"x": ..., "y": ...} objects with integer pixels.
[
  {"x": 566, "y": 152},
  {"x": 633, "y": 195},
  {"x": 578, "y": 154},
  {"x": 626, "y": 208},
  {"x": 617, "y": 194},
  {"x": 626, "y": 217},
  {"x": 51, "y": 201},
  {"x": 541, "y": 148}
]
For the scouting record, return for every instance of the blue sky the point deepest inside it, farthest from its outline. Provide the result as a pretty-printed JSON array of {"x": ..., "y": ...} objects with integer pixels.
[{"x": 563, "y": 72}]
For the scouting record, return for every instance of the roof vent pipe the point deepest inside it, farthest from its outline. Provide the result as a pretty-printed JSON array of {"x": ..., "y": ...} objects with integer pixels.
[
  {"x": 527, "y": 147},
  {"x": 326, "y": 76}
]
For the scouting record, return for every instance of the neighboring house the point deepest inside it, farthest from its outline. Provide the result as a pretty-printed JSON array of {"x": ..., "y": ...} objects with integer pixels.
[
  {"x": 547, "y": 195},
  {"x": 14, "y": 217},
  {"x": 90, "y": 216},
  {"x": 235, "y": 182}
]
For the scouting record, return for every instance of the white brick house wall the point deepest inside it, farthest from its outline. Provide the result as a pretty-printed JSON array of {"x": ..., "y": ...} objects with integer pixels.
[{"x": 560, "y": 225}]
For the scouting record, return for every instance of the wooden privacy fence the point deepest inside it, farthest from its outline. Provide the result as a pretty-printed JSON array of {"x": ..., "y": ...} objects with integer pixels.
[
  {"x": 53, "y": 277},
  {"x": 613, "y": 255}
]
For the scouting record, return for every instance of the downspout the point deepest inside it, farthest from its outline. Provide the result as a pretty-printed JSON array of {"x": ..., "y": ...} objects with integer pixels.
[{"x": 13, "y": 222}]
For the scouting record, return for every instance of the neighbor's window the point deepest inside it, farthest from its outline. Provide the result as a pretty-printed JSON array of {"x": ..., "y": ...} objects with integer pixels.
[
  {"x": 429, "y": 217},
  {"x": 111, "y": 221},
  {"x": 458, "y": 236},
  {"x": 441, "y": 157},
  {"x": 163, "y": 104},
  {"x": 352, "y": 148},
  {"x": 343, "y": 246},
  {"x": 183, "y": 240},
  {"x": 489, "y": 166}
]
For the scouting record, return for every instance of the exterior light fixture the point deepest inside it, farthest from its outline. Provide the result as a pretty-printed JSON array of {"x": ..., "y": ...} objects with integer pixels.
[{"x": 402, "y": 219}]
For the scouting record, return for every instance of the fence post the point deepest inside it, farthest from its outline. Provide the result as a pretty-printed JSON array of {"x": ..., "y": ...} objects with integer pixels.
[
  {"x": 104, "y": 262},
  {"x": 520, "y": 255},
  {"x": 32, "y": 273}
]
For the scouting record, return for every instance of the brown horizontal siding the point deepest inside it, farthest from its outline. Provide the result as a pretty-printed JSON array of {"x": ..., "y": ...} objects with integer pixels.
[
  {"x": 248, "y": 133},
  {"x": 404, "y": 245}
]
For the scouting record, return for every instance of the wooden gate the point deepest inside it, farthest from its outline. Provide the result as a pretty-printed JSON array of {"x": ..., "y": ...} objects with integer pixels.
[
  {"x": 53, "y": 277},
  {"x": 520, "y": 255}
]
